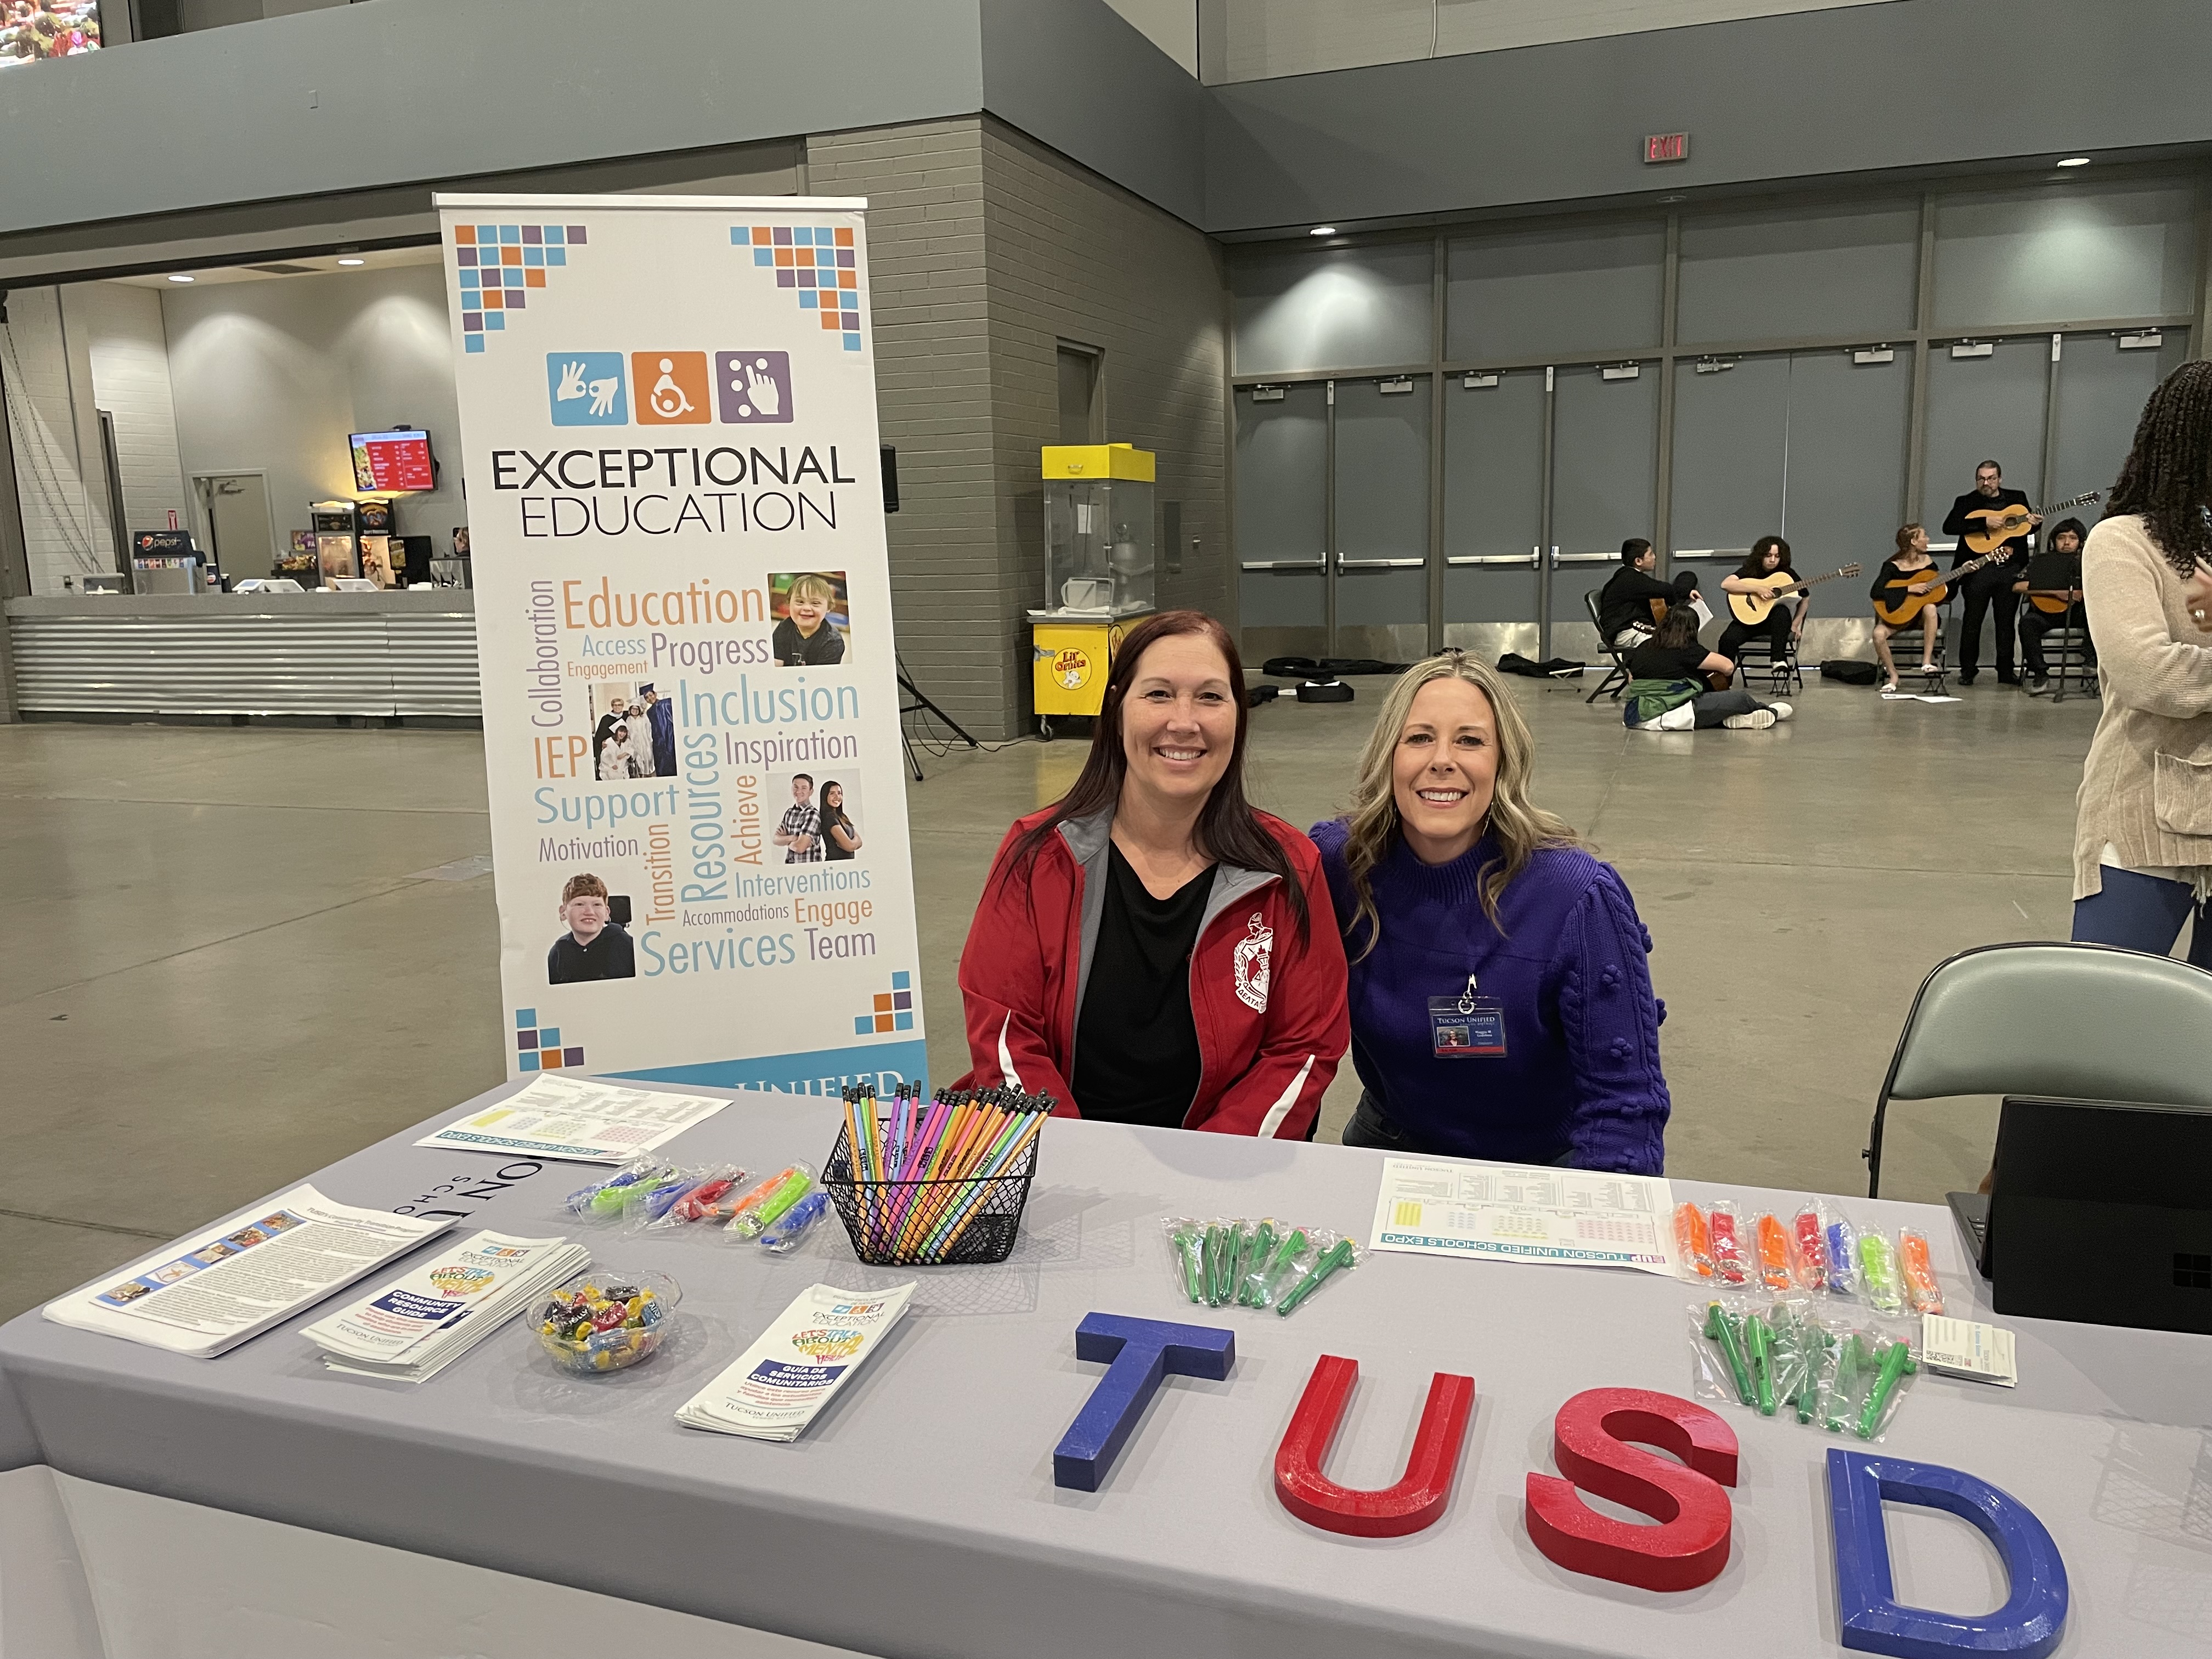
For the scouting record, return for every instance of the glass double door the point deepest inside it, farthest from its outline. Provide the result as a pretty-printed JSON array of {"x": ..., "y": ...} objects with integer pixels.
[{"x": 1333, "y": 513}]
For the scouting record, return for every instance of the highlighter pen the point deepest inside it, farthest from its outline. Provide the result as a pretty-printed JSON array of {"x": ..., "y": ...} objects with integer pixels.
[
  {"x": 1878, "y": 1272},
  {"x": 1190, "y": 1249},
  {"x": 1693, "y": 1242},
  {"x": 1773, "y": 1253},
  {"x": 1286, "y": 1253},
  {"x": 1263, "y": 1246},
  {"x": 1843, "y": 1257},
  {"x": 1721, "y": 1328},
  {"x": 1338, "y": 1255},
  {"x": 1896, "y": 1362},
  {"x": 1759, "y": 1340},
  {"x": 1812, "y": 1261},
  {"x": 788, "y": 1193},
  {"x": 1920, "y": 1282}
]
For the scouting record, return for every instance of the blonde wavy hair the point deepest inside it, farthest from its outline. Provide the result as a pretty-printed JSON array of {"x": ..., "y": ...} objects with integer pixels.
[{"x": 1518, "y": 827}]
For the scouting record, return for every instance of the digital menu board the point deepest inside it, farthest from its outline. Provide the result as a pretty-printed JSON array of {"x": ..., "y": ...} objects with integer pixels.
[{"x": 392, "y": 461}]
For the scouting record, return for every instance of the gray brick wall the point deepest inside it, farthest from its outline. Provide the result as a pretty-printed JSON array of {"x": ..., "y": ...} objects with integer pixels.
[
  {"x": 925, "y": 188},
  {"x": 1071, "y": 257},
  {"x": 986, "y": 250}
]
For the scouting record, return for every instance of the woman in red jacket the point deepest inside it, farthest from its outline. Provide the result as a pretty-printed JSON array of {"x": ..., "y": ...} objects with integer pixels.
[{"x": 1152, "y": 949}]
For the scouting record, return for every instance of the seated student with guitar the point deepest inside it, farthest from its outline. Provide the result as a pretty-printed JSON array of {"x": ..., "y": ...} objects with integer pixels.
[
  {"x": 1666, "y": 677},
  {"x": 1906, "y": 589},
  {"x": 1755, "y": 591},
  {"x": 2052, "y": 607},
  {"x": 1633, "y": 599}
]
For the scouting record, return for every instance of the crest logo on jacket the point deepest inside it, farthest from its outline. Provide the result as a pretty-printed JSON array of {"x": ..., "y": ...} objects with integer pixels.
[{"x": 1254, "y": 952}]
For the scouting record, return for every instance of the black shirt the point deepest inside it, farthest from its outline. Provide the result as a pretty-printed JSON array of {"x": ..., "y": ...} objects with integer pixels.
[
  {"x": 796, "y": 650},
  {"x": 837, "y": 819},
  {"x": 1958, "y": 524},
  {"x": 610, "y": 956},
  {"x": 1136, "y": 1043},
  {"x": 1627, "y": 595},
  {"x": 1893, "y": 597},
  {"x": 1666, "y": 662}
]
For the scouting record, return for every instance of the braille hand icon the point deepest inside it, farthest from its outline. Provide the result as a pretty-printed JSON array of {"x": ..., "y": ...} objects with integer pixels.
[{"x": 762, "y": 389}]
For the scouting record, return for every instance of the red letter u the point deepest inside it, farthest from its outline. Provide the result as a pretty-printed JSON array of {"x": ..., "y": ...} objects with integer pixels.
[{"x": 1418, "y": 1499}]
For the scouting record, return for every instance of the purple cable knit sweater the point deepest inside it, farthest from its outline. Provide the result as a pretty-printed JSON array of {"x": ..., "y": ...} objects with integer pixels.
[{"x": 1580, "y": 1077}]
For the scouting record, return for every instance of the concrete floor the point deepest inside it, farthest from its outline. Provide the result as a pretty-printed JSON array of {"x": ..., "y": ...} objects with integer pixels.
[{"x": 238, "y": 954}]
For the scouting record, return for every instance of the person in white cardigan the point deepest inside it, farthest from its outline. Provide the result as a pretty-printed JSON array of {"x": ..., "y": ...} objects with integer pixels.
[{"x": 2143, "y": 837}]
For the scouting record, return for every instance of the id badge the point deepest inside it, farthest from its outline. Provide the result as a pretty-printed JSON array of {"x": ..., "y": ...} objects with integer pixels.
[{"x": 1467, "y": 1027}]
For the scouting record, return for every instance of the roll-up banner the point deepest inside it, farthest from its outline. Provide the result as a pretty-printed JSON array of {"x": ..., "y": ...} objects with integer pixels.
[{"x": 684, "y": 627}]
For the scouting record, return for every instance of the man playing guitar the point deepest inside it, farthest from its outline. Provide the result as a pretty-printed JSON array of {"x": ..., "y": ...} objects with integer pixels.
[
  {"x": 2053, "y": 607},
  {"x": 1990, "y": 588}
]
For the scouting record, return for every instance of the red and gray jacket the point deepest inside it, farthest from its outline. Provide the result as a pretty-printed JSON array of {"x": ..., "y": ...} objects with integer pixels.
[{"x": 1269, "y": 1009}]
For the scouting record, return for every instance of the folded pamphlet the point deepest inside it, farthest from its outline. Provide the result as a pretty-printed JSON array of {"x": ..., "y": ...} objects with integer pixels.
[
  {"x": 415, "y": 1326},
  {"x": 777, "y": 1385},
  {"x": 212, "y": 1290},
  {"x": 583, "y": 1119},
  {"x": 1960, "y": 1347}
]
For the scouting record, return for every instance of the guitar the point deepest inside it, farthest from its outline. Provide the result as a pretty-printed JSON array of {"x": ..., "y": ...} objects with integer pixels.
[
  {"x": 2057, "y": 603},
  {"x": 1911, "y": 598},
  {"x": 2001, "y": 523},
  {"x": 1753, "y": 609}
]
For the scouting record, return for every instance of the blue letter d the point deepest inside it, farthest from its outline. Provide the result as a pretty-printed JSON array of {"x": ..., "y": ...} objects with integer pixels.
[{"x": 2029, "y": 1624}]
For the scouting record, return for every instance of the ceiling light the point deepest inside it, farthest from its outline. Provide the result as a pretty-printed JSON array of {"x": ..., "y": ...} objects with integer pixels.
[
  {"x": 2075, "y": 162},
  {"x": 179, "y": 277},
  {"x": 1322, "y": 230},
  {"x": 350, "y": 260}
]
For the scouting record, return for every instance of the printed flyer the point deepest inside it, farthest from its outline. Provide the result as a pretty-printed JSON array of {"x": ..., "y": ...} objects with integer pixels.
[{"x": 683, "y": 627}]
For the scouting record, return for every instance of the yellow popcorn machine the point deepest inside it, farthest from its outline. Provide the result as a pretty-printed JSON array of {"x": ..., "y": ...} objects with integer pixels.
[{"x": 1098, "y": 564}]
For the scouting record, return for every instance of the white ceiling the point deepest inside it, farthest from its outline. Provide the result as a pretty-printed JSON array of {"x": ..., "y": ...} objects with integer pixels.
[{"x": 314, "y": 265}]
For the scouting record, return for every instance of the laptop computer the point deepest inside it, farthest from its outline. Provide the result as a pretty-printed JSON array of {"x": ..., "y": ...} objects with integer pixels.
[{"x": 2100, "y": 1212}]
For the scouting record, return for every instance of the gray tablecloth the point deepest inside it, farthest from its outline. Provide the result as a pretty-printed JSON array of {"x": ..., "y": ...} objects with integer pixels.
[{"x": 918, "y": 1516}]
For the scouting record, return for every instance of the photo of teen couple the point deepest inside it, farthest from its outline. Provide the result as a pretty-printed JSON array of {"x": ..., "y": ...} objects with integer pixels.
[
  {"x": 814, "y": 619},
  {"x": 822, "y": 823},
  {"x": 635, "y": 733}
]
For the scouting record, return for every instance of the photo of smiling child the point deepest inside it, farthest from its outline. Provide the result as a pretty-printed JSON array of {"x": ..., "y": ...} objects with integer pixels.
[
  {"x": 595, "y": 946},
  {"x": 814, "y": 618}
]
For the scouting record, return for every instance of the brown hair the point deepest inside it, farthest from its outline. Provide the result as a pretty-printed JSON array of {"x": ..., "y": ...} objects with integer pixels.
[
  {"x": 1906, "y": 532},
  {"x": 820, "y": 587},
  {"x": 1228, "y": 829},
  {"x": 1680, "y": 628},
  {"x": 583, "y": 886}
]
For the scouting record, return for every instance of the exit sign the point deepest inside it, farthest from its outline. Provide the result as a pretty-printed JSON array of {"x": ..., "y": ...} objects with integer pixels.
[{"x": 1667, "y": 147}]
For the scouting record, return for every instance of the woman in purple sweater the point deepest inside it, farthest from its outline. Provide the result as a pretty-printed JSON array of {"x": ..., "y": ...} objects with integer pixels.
[{"x": 1501, "y": 1005}]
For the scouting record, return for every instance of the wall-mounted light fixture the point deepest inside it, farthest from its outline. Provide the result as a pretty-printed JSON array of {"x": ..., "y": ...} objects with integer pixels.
[
  {"x": 1322, "y": 230},
  {"x": 179, "y": 277},
  {"x": 2075, "y": 162}
]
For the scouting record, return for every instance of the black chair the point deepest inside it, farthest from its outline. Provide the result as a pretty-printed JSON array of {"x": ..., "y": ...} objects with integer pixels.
[
  {"x": 2068, "y": 655},
  {"x": 1616, "y": 677},
  {"x": 1905, "y": 651},
  {"x": 1756, "y": 655}
]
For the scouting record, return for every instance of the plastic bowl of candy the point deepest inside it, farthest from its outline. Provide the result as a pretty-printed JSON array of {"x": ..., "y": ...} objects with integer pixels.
[{"x": 604, "y": 1321}]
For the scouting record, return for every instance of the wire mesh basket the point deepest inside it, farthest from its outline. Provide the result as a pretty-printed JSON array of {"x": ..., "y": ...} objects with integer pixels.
[{"x": 929, "y": 1224}]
